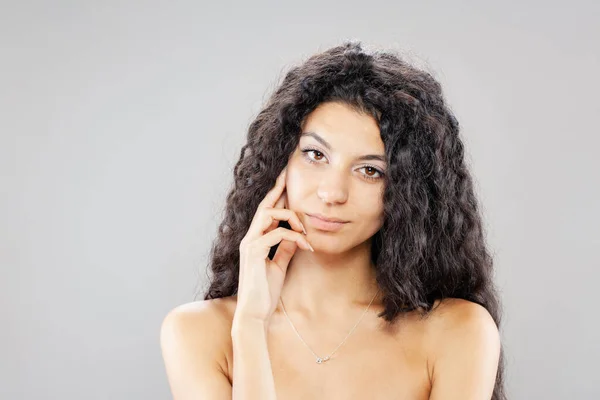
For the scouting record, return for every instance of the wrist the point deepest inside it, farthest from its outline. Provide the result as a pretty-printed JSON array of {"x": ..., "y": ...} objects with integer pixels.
[{"x": 246, "y": 324}]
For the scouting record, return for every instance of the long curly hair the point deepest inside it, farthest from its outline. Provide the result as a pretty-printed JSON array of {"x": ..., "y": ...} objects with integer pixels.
[{"x": 431, "y": 244}]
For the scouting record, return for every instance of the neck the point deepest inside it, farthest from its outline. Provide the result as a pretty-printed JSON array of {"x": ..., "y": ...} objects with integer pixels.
[{"x": 324, "y": 285}]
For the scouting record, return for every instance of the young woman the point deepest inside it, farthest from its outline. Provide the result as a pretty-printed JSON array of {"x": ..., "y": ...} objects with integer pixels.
[{"x": 351, "y": 262}]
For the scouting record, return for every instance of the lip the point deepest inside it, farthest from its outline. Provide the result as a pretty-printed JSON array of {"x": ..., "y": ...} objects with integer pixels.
[
  {"x": 325, "y": 225},
  {"x": 324, "y": 218}
]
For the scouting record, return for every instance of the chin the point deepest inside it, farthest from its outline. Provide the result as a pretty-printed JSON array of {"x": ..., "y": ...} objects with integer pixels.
[{"x": 327, "y": 243}]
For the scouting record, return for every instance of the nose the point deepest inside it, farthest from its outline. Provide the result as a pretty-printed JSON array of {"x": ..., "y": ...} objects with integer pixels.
[{"x": 333, "y": 187}]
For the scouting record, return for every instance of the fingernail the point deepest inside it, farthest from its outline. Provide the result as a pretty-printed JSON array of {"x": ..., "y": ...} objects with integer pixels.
[
  {"x": 311, "y": 248},
  {"x": 303, "y": 228}
]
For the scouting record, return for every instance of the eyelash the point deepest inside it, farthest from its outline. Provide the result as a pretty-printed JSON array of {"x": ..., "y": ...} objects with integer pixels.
[{"x": 307, "y": 150}]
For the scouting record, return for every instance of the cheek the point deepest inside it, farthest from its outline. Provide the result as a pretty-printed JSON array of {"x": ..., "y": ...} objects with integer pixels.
[
  {"x": 296, "y": 183},
  {"x": 370, "y": 205},
  {"x": 373, "y": 207}
]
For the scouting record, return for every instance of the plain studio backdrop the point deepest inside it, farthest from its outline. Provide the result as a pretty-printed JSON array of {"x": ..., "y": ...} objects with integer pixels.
[{"x": 121, "y": 121}]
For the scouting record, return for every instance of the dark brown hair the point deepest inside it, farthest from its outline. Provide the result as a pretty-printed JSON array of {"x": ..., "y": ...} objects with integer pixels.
[{"x": 431, "y": 245}]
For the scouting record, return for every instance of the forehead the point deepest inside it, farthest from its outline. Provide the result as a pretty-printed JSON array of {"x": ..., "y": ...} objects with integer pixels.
[{"x": 344, "y": 127}]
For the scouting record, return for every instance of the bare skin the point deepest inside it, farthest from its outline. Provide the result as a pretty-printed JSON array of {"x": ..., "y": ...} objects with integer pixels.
[
  {"x": 376, "y": 362},
  {"x": 451, "y": 355},
  {"x": 408, "y": 360}
]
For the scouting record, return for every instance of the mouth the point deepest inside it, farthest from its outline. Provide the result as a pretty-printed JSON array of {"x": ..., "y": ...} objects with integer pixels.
[
  {"x": 326, "y": 219},
  {"x": 324, "y": 224}
]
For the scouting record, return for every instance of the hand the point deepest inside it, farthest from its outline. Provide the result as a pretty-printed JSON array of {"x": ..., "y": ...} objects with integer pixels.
[{"x": 261, "y": 279}]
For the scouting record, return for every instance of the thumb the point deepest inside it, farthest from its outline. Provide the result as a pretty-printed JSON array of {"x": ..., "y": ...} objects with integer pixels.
[{"x": 284, "y": 254}]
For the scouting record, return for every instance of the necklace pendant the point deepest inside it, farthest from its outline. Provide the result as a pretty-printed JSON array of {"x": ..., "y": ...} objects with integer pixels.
[{"x": 322, "y": 360}]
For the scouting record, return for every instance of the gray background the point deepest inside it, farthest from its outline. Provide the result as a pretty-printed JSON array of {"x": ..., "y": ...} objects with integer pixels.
[{"x": 120, "y": 123}]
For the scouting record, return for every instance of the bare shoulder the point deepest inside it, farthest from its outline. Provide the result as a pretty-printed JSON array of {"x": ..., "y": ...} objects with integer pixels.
[
  {"x": 199, "y": 322},
  {"x": 193, "y": 338},
  {"x": 454, "y": 319},
  {"x": 215, "y": 314},
  {"x": 450, "y": 319},
  {"x": 464, "y": 350},
  {"x": 454, "y": 312}
]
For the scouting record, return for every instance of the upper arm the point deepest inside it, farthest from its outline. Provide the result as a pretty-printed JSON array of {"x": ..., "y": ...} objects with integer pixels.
[
  {"x": 191, "y": 343},
  {"x": 467, "y": 354}
]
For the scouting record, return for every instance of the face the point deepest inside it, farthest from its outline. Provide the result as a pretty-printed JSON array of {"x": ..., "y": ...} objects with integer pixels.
[{"x": 337, "y": 171}]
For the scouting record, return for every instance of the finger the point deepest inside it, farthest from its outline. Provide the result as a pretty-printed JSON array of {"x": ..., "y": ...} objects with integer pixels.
[
  {"x": 271, "y": 216},
  {"x": 283, "y": 255},
  {"x": 262, "y": 246},
  {"x": 273, "y": 225},
  {"x": 279, "y": 205},
  {"x": 273, "y": 195},
  {"x": 281, "y": 201}
]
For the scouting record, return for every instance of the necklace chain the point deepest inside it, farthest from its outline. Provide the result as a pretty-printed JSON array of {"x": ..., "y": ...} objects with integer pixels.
[{"x": 321, "y": 360}]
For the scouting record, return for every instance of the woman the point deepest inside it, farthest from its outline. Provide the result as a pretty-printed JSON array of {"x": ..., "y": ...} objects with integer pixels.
[{"x": 392, "y": 300}]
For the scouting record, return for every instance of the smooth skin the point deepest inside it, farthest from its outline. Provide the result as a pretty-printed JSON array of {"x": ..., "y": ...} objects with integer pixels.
[{"x": 451, "y": 355}]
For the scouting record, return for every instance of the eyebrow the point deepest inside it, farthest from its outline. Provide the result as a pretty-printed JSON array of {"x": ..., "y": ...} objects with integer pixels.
[{"x": 324, "y": 142}]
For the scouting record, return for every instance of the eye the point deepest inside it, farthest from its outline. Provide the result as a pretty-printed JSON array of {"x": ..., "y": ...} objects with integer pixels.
[
  {"x": 367, "y": 176},
  {"x": 373, "y": 170},
  {"x": 305, "y": 151}
]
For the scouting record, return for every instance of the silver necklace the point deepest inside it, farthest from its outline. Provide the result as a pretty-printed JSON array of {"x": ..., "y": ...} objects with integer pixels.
[{"x": 321, "y": 360}]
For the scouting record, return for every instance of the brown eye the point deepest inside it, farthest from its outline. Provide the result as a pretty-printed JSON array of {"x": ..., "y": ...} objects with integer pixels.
[
  {"x": 372, "y": 170},
  {"x": 305, "y": 152},
  {"x": 370, "y": 176}
]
